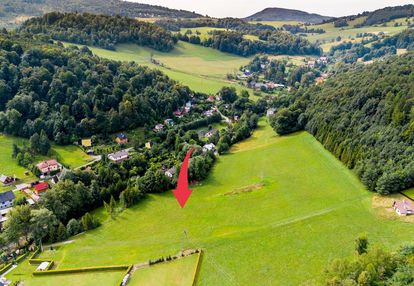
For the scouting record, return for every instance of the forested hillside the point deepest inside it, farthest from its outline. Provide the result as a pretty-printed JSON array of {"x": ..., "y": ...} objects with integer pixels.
[
  {"x": 274, "y": 43},
  {"x": 100, "y": 30},
  {"x": 69, "y": 93},
  {"x": 389, "y": 13},
  {"x": 13, "y": 12},
  {"x": 365, "y": 117}
]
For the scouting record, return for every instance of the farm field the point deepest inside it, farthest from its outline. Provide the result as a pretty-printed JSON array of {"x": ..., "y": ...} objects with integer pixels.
[
  {"x": 278, "y": 208},
  {"x": 202, "y": 69},
  {"x": 174, "y": 273}
]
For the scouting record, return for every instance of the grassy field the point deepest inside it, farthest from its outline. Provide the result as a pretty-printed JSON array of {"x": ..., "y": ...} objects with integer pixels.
[
  {"x": 409, "y": 193},
  {"x": 303, "y": 209},
  {"x": 71, "y": 156},
  {"x": 202, "y": 69},
  {"x": 175, "y": 273}
]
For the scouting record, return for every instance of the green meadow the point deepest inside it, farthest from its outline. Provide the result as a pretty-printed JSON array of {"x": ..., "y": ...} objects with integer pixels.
[
  {"x": 174, "y": 273},
  {"x": 274, "y": 211},
  {"x": 202, "y": 69}
]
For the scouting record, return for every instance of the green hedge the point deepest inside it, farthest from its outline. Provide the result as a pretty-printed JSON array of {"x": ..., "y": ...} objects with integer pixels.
[
  {"x": 5, "y": 268},
  {"x": 82, "y": 270},
  {"x": 122, "y": 278},
  {"x": 198, "y": 267}
]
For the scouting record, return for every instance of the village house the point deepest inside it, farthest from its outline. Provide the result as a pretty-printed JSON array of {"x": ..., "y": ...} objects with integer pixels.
[
  {"x": 119, "y": 157},
  {"x": 171, "y": 172},
  {"x": 211, "y": 98},
  {"x": 7, "y": 180},
  {"x": 159, "y": 128},
  {"x": 323, "y": 60},
  {"x": 41, "y": 188},
  {"x": 148, "y": 145},
  {"x": 271, "y": 112},
  {"x": 403, "y": 208},
  {"x": 211, "y": 133},
  {"x": 86, "y": 143},
  {"x": 48, "y": 166},
  {"x": 122, "y": 139},
  {"x": 169, "y": 122},
  {"x": 178, "y": 114},
  {"x": 209, "y": 147},
  {"x": 6, "y": 204},
  {"x": 311, "y": 64}
]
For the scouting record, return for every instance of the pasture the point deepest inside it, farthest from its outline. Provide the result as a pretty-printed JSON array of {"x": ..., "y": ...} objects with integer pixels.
[
  {"x": 174, "y": 273},
  {"x": 303, "y": 209},
  {"x": 202, "y": 69}
]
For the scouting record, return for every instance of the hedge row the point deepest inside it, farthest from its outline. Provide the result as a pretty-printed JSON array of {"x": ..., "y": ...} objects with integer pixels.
[
  {"x": 198, "y": 267},
  {"x": 38, "y": 261},
  {"x": 82, "y": 270},
  {"x": 6, "y": 267},
  {"x": 122, "y": 278}
]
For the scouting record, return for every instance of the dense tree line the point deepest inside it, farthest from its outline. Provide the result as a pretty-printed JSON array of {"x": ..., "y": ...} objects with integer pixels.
[
  {"x": 69, "y": 93},
  {"x": 302, "y": 29},
  {"x": 234, "y": 24},
  {"x": 100, "y": 30},
  {"x": 364, "y": 116},
  {"x": 373, "y": 267},
  {"x": 276, "y": 43}
]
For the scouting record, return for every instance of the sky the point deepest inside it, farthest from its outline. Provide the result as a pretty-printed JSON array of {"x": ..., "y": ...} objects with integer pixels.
[{"x": 244, "y": 8}]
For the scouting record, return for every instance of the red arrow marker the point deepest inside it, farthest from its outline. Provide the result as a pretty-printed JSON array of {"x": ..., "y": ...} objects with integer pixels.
[{"x": 182, "y": 192}]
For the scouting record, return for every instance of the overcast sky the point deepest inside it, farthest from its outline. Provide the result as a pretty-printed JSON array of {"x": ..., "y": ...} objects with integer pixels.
[{"x": 244, "y": 8}]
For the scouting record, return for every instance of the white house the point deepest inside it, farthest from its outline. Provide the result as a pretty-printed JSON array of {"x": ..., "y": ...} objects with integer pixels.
[
  {"x": 271, "y": 112},
  {"x": 171, "y": 172},
  {"x": 403, "y": 208},
  {"x": 159, "y": 128},
  {"x": 119, "y": 156},
  {"x": 48, "y": 166},
  {"x": 6, "y": 204},
  {"x": 209, "y": 147}
]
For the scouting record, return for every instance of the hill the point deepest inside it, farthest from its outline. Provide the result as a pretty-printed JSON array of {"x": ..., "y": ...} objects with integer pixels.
[
  {"x": 281, "y": 14},
  {"x": 364, "y": 116},
  {"x": 14, "y": 12}
]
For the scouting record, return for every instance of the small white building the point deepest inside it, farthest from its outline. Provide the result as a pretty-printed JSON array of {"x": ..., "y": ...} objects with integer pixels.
[
  {"x": 271, "y": 112},
  {"x": 119, "y": 156},
  {"x": 159, "y": 128},
  {"x": 209, "y": 147},
  {"x": 43, "y": 266},
  {"x": 171, "y": 172}
]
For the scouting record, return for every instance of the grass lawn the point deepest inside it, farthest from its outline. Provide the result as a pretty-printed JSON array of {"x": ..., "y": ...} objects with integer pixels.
[
  {"x": 304, "y": 209},
  {"x": 202, "y": 69},
  {"x": 70, "y": 155},
  {"x": 175, "y": 273},
  {"x": 409, "y": 193},
  {"x": 8, "y": 165}
]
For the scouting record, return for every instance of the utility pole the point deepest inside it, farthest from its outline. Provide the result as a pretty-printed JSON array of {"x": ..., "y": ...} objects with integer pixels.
[{"x": 185, "y": 237}]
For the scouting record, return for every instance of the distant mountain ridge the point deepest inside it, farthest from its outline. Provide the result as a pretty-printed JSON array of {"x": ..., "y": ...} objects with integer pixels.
[
  {"x": 14, "y": 12},
  {"x": 281, "y": 14}
]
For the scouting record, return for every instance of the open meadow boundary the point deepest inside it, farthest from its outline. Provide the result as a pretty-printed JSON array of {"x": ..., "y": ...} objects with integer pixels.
[{"x": 129, "y": 269}]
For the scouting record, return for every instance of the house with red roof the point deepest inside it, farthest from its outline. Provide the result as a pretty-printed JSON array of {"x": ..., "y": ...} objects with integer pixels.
[
  {"x": 404, "y": 207},
  {"x": 41, "y": 187},
  {"x": 48, "y": 166}
]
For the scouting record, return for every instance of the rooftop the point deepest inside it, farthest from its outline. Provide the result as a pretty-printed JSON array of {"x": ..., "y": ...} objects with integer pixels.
[{"x": 6, "y": 196}]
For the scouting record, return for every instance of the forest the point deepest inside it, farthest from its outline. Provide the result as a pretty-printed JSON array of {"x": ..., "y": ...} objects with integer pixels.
[
  {"x": 364, "y": 116},
  {"x": 100, "y": 30},
  {"x": 275, "y": 43},
  {"x": 69, "y": 93}
]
